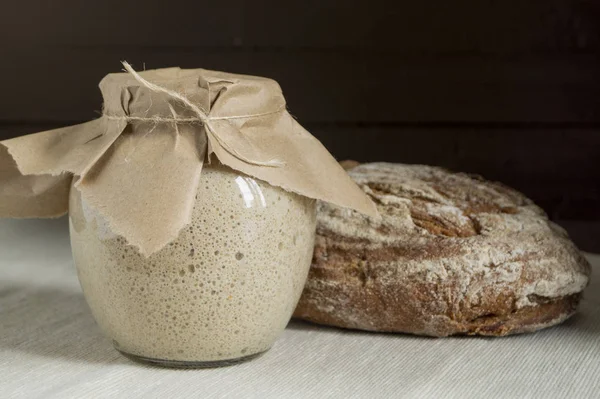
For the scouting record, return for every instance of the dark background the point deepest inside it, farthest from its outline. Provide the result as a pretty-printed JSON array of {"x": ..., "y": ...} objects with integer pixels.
[{"x": 506, "y": 89}]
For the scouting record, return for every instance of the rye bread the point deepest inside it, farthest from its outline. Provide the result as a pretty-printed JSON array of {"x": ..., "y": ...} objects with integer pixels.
[{"x": 452, "y": 254}]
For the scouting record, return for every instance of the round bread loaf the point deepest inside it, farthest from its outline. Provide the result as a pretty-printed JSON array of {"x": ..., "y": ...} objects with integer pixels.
[{"x": 451, "y": 254}]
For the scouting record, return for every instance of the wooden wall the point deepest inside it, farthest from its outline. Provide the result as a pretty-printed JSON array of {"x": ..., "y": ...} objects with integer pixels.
[{"x": 507, "y": 89}]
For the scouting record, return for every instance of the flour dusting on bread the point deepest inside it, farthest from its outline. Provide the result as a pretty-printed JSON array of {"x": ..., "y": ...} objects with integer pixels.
[{"x": 452, "y": 254}]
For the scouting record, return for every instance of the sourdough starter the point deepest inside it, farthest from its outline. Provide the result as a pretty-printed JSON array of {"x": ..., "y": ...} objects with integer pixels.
[{"x": 224, "y": 289}]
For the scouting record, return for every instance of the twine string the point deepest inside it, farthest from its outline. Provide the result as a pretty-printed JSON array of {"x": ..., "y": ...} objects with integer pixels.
[{"x": 201, "y": 118}]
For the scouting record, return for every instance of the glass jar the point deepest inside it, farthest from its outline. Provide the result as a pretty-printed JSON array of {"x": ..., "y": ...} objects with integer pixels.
[{"x": 221, "y": 293}]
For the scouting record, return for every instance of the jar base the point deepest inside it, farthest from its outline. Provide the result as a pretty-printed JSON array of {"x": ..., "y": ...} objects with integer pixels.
[{"x": 190, "y": 364}]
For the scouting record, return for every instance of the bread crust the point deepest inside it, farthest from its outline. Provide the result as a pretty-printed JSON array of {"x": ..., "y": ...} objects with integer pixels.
[{"x": 452, "y": 254}]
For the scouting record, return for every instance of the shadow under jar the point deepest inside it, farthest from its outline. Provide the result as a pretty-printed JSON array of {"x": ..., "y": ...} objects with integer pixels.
[{"x": 220, "y": 293}]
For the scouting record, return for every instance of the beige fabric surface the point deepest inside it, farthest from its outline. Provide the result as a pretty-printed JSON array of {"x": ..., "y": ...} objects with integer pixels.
[{"x": 50, "y": 347}]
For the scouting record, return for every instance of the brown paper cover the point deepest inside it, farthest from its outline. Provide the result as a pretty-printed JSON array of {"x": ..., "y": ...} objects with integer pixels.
[{"x": 139, "y": 164}]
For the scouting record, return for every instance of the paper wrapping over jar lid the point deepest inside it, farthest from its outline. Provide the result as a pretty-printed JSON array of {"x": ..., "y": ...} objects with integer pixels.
[{"x": 139, "y": 164}]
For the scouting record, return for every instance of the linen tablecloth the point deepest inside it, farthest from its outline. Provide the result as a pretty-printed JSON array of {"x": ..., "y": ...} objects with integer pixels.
[{"x": 50, "y": 347}]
